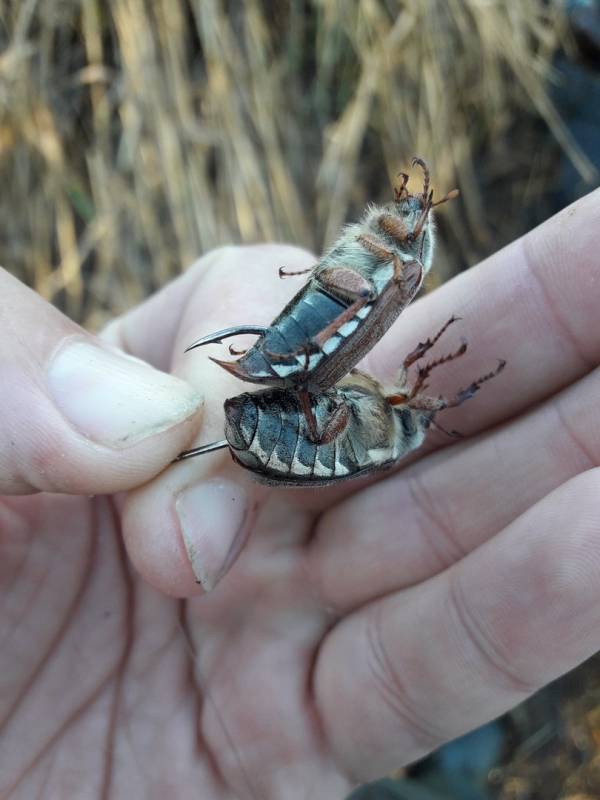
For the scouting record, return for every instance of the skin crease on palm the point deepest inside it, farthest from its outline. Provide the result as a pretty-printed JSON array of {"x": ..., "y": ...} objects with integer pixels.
[{"x": 362, "y": 625}]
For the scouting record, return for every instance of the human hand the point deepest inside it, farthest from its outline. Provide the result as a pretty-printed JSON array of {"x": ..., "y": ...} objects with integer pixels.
[{"x": 362, "y": 625}]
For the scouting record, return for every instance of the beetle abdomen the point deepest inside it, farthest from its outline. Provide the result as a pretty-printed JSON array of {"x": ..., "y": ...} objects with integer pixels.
[
  {"x": 267, "y": 433},
  {"x": 284, "y": 352}
]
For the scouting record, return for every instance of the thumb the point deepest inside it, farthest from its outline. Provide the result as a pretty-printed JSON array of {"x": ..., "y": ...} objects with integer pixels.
[{"x": 77, "y": 415}]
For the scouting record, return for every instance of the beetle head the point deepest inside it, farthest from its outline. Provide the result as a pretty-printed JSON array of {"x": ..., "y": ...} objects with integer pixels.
[{"x": 415, "y": 211}]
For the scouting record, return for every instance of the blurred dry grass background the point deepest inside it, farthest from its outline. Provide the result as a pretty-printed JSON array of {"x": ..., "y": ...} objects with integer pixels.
[{"x": 136, "y": 135}]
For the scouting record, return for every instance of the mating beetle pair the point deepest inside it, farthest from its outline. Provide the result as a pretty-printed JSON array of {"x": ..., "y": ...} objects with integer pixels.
[
  {"x": 268, "y": 434},
  {"x": 323, "y": 421}
]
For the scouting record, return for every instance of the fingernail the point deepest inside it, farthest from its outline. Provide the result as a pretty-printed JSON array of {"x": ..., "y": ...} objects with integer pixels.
[
  {"x": 115, "y": 399},
  {"x": 212, "y": 515}
]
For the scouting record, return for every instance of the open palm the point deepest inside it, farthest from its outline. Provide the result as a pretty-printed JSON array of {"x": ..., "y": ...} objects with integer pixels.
[{"x": 361, "y": 625}]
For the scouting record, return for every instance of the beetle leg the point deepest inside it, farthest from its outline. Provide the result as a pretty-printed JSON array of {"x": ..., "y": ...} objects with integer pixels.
[
  {"x": 379, "y": 251},
  {"x": 394, "y": 227},
  {"x": 307, "y": 349},
  {"x": 419, "y": 352},
  {"x": 436, "y": 404},
  {"x": 400, "y": 267},
  {"x": 426, "y": 176},
  {"x": 466, "y": 394},
  {"x": 317, "y": 342},
  {"x": 347, "y": 285},
  {"x": 425, "y": 372},
  {"x": 401, "y": 192},
  {"x": 285, "y": 273},
  {"x": 425, "y": 403},
  {"x": 423, "y": 347},
  {"x": 427, "y": 201},
  {"x": 304, "y": 400},
  {"x": 334, "y": 326},
  {"x": 334, "y": 425},
  {"x": 409, "y": 275}
]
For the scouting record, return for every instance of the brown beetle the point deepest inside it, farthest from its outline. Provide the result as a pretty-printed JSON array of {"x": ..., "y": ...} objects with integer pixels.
[
  {"x": 355, "y": 293},
  {"x": 368, "y": 428}
]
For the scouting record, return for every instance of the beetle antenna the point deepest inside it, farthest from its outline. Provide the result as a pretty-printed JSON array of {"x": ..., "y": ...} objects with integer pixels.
[
  {"x": 450, "y": 196},
  {"x": 200, "y": 451}
]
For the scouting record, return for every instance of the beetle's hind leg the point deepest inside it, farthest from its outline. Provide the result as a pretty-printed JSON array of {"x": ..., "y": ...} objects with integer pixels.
[
  {"x": 334, "y": 425},
  {"x": 466, "y": 394},
  {"x": 406, "y": 393},
  {"x": 420, "y": 401},
  {"x": 315, "y": 345},
  {"x": 420, "y": 350},
  {"x": 425, "y": 372}
]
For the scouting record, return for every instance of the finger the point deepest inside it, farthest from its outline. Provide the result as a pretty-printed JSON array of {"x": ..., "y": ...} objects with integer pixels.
[
  {"x": 185, "y": 529},
  {"x": 534, "y": 304},
  {"x": 78, "y": 415},
  {"x": 415, "y": 523},
  {"x": 419, "y": 667}
]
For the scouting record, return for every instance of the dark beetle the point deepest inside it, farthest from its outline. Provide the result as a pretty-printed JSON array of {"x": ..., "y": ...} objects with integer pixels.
[
  {"x": 354, "y": 294},
  {"x": 369, "y": 428}
]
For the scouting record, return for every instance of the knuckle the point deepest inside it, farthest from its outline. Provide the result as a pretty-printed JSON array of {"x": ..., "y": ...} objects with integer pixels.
[
  {"x": 435, "y": 522},
  {"x": 393, "y": 690},
  {"x": 495, "y": 660}
]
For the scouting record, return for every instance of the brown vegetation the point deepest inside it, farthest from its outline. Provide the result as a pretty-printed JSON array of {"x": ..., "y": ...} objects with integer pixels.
[{"x": 137, "y": 134}]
